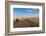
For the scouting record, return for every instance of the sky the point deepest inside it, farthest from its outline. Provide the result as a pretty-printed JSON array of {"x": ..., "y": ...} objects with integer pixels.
[{"x": 26, "y": 12}]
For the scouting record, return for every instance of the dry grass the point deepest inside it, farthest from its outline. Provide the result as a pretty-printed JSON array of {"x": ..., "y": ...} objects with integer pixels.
[{"x": 26, "y": 22}]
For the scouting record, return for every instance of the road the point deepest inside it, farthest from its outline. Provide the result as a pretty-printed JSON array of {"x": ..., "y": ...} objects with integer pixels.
[{"x": 25, "y": 23}]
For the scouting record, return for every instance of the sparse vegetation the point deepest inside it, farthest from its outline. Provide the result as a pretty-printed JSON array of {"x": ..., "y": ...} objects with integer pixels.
[{"x": 26, "y": 22}]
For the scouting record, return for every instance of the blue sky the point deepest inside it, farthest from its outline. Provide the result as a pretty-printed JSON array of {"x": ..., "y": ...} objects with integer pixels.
[{"x": 25, "y": 12}]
